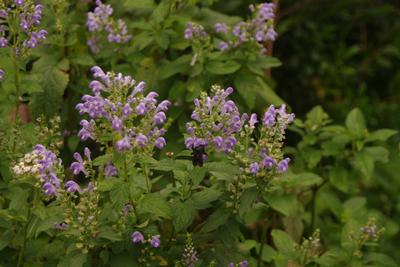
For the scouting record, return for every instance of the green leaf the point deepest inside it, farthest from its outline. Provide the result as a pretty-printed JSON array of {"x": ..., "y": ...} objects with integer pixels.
[
  {"x": 82, "y": 59},
  {"x": 215, "y": 220},
  {"x": 55, "y": 78},
  {"x": 109, "y": 234},
  {"x": 355, "y": 123},
  {"x": 338, "y": 176},
  {"x": 378, "y": 153},
  {"x": 316, "y": 117},
  {"x": 102, "y": 160},
  {"x": 283, "y": 242},
  {"x": 380, "y": 135},
  {"x": 222, "y": 170},
  {"x": 179, "y": 65},
  {"x": 305, "y": 179},
  {"x": 183, "y": 215},
  {"x": 364, "y": 163},
  {"x": 156, "y": 205},
  {"x": 140, "y": 4},
  {"x": 285, "y": 204},
  {"x": 222, "y": 68},
  {"x": 247, "y": 87},
  {"x": 268, "y": 94},
  {"x": 203, "y": 199}
]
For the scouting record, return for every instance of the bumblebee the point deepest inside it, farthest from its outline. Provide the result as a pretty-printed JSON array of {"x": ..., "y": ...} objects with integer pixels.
[{"x": 199, "y": 156}]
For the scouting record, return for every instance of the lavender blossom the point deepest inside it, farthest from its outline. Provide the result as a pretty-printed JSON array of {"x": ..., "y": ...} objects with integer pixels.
[
  {"x": 155, "y": 241},
  {"x": 118, "y": 101},
  {"x": 61, "y": 226},
  {"x": 100, "y": 21},
  {"x": 221, "y": 27},
  {"x": 2, "y": 73},
  {"x": 254, "y": 168},
  {"x": 110, "y": 170},
  {"x": 78, "y": 166},
  {"x": 137, "y": 237},
  {"x": 72, "y": 187},
  {"x": 283, "y": 165},
  {"x": 194, "y": 31},
  {"x": 226, "y": 121}
]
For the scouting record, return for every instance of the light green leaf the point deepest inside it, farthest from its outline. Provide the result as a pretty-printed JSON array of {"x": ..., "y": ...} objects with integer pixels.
[
  {"x": 355, "y": 123},
  {"x": 283, "y": 242},
  {"x": 380, "y": 135}
]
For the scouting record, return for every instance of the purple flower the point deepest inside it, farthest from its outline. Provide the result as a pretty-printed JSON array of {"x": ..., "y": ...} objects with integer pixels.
[
  {"x": 127, "y": 208},
  {"x": 283, "y": 165},
  {"x": 49, "y": 189},
  {"x": 244, "y": 264},
  {"x": 253, "y": 120},
  {"x": 160, "y": 118},
  {"x": 126, "y": 110},
  {"x": 194, "y": 31},
  {"x": 254, "y": 168},
  {"x": 117, "y": 124},
  {"x": 3, "y": 13},
  {"x": 1, "y": 75},
  {"x": 141, "y": 140},
  {"x": 268, "y": 162},
  {"x": 96, "y": 86},
  {"x": 219, "y": 142},
  {"x": 141, "y": 109},
  {"x": 229, "y": 143},
  {"x": 78, "y": 166},
  {"x": 221, "y": 27},
  {"x": 137, "y": 237},
  {"x": 123, "y": 144},
  {"x": 61, "y": 226},
  {"x": 160, "y": 142},
  {"x": 155, "y": 241},
  {"x": 269, "y": 116},
  {"x": 19, "y": 2},
  {"x": 3, "y": 42},
  {"x": 87, "y": 153},
  {"x": 110, "y": 170},
  {"x": 163, "y": 106},
  {"x": 72, "y": 187},
  {"x": 223, "y": 46}
]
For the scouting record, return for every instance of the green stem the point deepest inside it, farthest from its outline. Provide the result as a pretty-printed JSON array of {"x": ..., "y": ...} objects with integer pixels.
[
  {"x": 262, "y": 239},
  {"x": 314, "y": 195},
  {"x": 17, "y": 85}
]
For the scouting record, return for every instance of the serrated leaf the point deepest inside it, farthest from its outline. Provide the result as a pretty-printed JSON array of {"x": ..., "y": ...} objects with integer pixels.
[
  {"x": 156, "y": 205},
  {"x": 364, "y": 163},
  {"x": 215, "y": 220},
  {"x": 283, "y": 242},
  {"x": 203, "y": 199},
  {"x": 222, "y": 67},
  {"x": 183, "y": 215}
]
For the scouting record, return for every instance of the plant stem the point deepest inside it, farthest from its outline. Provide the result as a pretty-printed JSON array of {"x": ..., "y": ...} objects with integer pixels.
[
  {"x": 314, "y": 195},
  {"x": 17, "y": 85},
  {"x": 262, "y": 239}
]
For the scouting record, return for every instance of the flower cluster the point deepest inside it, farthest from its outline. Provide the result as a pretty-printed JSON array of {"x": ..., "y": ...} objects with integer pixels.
[
  {"x": 28, "y": 16},
  {"x": 216, "y": 121},
  {"x": 259, "y": 29},
  {"x": 154, "y": 241},
  {"x": 194, "y": 31},
  {"x": 2, "y": 73},
  {"x": 130, "y": 118},
  {"x": 190, "y": 256},
  {"x": 240, "y": 264},
  {"x": 100, "y": 22},
  {"x": 42, "y": 164},
  {"x": 266, "y": 153}
]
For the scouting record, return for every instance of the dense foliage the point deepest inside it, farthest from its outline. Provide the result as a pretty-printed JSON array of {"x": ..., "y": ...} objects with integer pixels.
[{"x": 154, "y": 133}]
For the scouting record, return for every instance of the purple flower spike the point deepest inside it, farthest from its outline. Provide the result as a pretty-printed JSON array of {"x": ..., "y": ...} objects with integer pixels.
[
  {"x": 155, "y": 241},
  {"x": 72, "y": 187},
  {"x": 137, "y": 237},
  {"x": 244, "y": 264}
]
